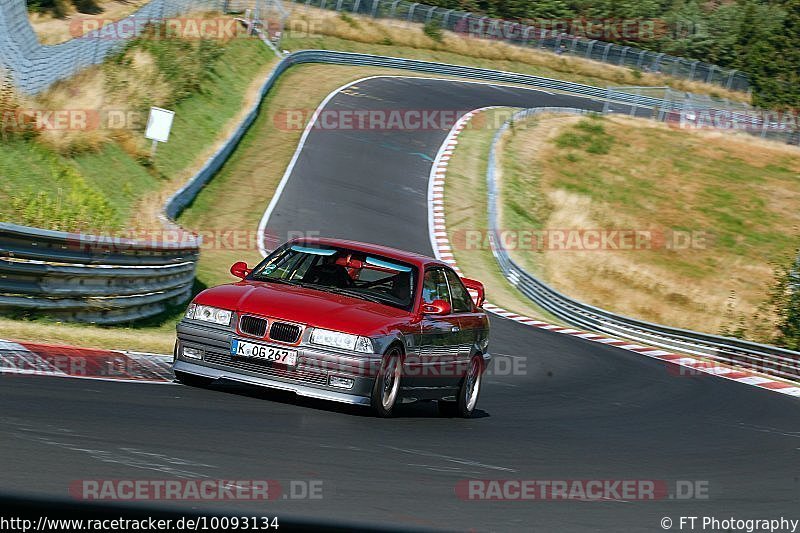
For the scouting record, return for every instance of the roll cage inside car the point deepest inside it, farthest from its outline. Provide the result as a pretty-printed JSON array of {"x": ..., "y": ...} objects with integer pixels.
[{"x": 359, "y": 274}]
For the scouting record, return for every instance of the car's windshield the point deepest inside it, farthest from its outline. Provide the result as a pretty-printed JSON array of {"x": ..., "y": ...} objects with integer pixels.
[{"x": 343, "y": 271}]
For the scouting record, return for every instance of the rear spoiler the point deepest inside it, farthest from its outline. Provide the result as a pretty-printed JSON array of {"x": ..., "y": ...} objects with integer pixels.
[{"x": 476, "y": 290}]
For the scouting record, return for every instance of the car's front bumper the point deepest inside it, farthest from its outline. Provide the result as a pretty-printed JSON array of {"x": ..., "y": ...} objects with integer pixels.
[
  {"x": 310, "y": 378},
  {"x": 298, "y": 388}
]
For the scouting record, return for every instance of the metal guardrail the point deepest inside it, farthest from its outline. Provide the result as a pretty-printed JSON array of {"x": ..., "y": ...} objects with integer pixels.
[
  {"x": 763, "y": 358},
  {"x": 650, "y": 104},
  {"x": 637, "y": 103},
  {"x": 557, "y": 42},
  {"x": 87, "y": 278}
]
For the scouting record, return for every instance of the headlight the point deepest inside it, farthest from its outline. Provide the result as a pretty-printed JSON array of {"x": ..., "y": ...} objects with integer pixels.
[
  {"x": 209, "y": 314},
  {"x": 345, "y": 341}
]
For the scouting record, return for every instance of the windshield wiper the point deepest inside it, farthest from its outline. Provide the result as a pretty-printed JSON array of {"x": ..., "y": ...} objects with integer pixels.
[
  {"x": 346, "y": 292},
  {"x": 274, "y": 280},
  {"x": 364, "y": 296}
]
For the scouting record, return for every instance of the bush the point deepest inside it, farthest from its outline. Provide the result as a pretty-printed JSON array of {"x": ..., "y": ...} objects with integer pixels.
[
  {"x": 433, "y": 30},
  {"x": 12, "y": 124},
  {"x": 786, "y": 301},
  {"x": 87, "y": 7},
  {"x": 589, "y": 134},
  {"x": 349, "y": 20},
  {"x": 58, "y": 8},
  {"x": 8, "y": 105},
  {"x": 183, "y": 64}
]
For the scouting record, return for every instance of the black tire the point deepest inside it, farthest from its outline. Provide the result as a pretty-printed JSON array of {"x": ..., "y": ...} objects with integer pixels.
[
  {"x": 191, "y": 380},
  {"x": 386, "y": 389},
  {"x": 468, "y": 392}
]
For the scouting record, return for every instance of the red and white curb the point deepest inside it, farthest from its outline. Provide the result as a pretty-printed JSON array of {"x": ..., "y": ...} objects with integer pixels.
[
  {"x": 24, "y": 358},
  {"x": 443, "y": 251}
]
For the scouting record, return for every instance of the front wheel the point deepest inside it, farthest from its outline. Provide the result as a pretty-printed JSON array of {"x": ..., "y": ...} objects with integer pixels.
[
  {"x": 468, "y": 393},
  {"x": 387, "y": 383}
]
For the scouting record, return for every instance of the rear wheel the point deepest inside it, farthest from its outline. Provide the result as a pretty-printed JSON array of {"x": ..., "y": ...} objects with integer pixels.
[
  {"x": 191, "y": 380},
  {"x": 468, "y": 392},
  {"x": 387, "y": 383}
]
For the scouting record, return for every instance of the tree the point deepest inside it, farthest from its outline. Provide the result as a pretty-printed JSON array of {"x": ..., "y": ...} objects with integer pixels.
[
  {"x": 786, "y": 300},
  {"x": 59, "y": 8}
]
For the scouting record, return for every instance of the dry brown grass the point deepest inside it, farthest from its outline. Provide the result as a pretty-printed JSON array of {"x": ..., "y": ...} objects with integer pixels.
[
  {"x": 9, "y": 102},
  {"x": 90, "y": 91},
  {"x": 133, "y": 84},
  {"x": 741, "y": 193},
  {"x": 153, "y": 340},
  {"x": 465, "y": 209},
  {"x": 51, "y": 30},
  {"x": 371, "y": 31}
]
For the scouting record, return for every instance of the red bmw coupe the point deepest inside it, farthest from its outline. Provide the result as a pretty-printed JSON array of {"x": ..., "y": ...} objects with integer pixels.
[{"x": 342, "y": 321}]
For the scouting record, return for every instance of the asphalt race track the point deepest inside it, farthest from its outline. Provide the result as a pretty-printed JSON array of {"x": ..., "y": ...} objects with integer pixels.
[{"x": 574, "y": 410}]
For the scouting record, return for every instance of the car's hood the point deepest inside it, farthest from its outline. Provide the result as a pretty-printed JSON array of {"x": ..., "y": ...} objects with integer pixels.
[{"x": 307, "y": 306}]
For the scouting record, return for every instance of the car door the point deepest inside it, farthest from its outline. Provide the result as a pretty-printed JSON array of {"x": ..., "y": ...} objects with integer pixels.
[
  {"x": 438, "y": 355},
  {"x": 470, "y": 323}
]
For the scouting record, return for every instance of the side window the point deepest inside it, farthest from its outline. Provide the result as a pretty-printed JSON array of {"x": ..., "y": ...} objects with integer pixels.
[
  {"x": 462, "y": 301},
  {"x": 434, "y": 286}
]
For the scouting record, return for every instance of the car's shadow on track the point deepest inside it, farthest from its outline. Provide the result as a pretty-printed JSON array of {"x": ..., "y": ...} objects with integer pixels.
[{"x": 424, "y": 409}]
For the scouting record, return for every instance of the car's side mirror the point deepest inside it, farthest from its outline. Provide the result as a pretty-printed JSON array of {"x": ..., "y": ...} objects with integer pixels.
[
  {"x": 436, "y": 307},
  {"x": 240, "y": 270}
]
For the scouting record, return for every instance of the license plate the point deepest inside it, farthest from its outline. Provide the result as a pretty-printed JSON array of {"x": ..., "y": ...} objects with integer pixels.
[{"x": 281, "y": 356}]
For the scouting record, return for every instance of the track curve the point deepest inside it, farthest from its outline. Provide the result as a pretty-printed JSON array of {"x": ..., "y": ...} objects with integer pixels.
[{"x": 579, "y": 411}]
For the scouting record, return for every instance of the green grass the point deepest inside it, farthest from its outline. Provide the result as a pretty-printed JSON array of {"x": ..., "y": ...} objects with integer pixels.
[
  {"x": 41, "y": 189},
  {"x": 728, "y": 199},
  {"x": 101, "y": 190},
  {"x": 588, "y": 135},
  {"x": 291, "y": 42}
]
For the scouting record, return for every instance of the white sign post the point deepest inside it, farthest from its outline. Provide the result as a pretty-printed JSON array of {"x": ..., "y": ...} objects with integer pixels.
[{"x": 158, "y": 127}]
